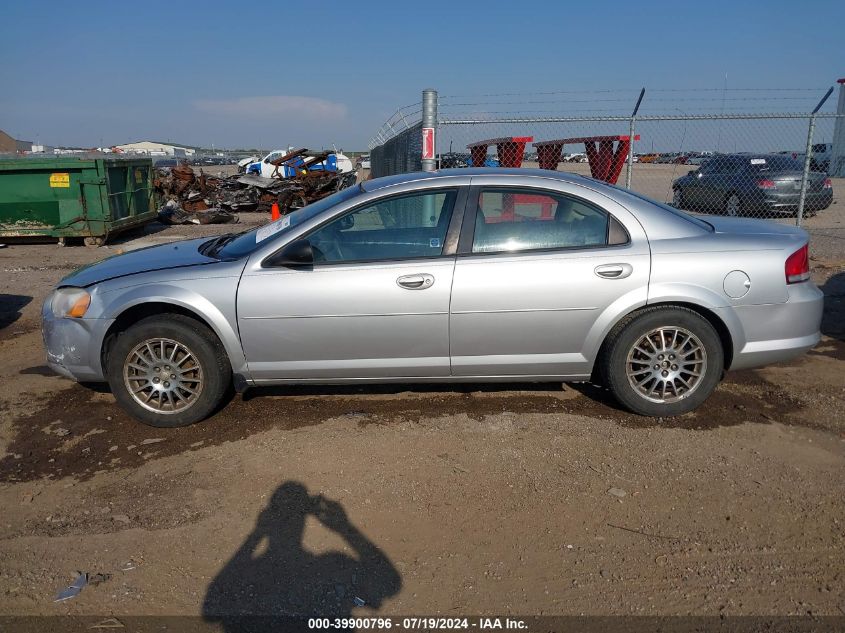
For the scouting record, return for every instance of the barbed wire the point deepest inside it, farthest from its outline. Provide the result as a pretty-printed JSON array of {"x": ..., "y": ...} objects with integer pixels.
[
  {"x": 659, "y": 103},
  {"x": 632, "y": 90},
  {"x": 648, "y": 117},
  {"x": 531, "y": 102}
]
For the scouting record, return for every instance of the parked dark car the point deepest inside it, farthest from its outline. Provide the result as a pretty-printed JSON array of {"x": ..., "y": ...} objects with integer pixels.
[
  {"x": 165, "y": 163},
  {"x": 751, "y": 184}
]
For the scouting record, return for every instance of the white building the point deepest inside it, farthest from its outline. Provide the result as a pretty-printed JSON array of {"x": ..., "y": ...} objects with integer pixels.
[{"x": 155, "y": 149}]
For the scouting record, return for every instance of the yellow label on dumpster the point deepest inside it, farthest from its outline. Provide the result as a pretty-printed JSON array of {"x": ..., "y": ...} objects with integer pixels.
[
  {"x": 60, "y": 180},
  {"x": 139, "y": 176}
]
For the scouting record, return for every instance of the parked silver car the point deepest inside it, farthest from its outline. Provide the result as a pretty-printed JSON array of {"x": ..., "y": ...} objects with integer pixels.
[{"x": 459, "y": 275}]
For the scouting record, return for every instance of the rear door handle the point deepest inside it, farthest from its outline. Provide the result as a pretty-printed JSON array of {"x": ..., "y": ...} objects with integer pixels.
[
  {"x": 614, "y": 271},
  {"x": 416, "y": 282}
]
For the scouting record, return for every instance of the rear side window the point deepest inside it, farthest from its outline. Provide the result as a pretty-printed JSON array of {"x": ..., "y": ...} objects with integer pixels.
[{"x": 509, "y": 220}]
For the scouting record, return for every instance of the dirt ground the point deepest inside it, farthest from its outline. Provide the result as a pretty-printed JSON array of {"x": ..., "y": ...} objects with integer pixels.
[{"x": 506, "y": 499}]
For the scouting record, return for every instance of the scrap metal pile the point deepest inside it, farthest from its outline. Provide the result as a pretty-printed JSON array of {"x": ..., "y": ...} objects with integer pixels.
[{"x": 188, "y": 197}]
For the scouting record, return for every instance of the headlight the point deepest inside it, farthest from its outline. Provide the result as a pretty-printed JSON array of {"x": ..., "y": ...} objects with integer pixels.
[{"x": 70, "y": 302}]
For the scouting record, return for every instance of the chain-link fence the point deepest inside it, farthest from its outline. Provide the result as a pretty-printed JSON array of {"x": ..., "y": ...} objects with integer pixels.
[
  {"x": 734, "y": 161},
  {"x": 397, "y": 146}
]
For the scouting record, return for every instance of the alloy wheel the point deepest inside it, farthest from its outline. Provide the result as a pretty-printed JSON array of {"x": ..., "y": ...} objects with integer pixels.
[
  {"x": 163, "y": 375},
  {"x": 666, "y": 365}
]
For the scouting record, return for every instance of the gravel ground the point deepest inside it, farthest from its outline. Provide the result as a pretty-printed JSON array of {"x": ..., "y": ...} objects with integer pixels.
[{"x": 421, "y": 499}]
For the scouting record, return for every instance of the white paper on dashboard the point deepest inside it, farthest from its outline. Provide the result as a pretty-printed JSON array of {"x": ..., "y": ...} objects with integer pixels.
[{"x": 271, "y": 229}]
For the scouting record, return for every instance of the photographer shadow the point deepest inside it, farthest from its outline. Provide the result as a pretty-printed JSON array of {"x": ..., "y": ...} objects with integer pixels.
[{"x": 272, "y": 581}]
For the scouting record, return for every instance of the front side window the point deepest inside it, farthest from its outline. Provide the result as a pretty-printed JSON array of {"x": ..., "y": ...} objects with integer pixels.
[
  {"x": 712, "y": 166},
  {"x": 519, "y": 220},
  {"x": 400, "y": 227}
]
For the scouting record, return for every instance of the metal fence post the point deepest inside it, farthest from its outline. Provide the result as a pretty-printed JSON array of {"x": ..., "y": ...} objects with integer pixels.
[
  {"x": 429, "y": 129},
  {"x": 836, "y": 167},
  {"x": 808, "y": 157},
  {"x": 630, "y": 166}
]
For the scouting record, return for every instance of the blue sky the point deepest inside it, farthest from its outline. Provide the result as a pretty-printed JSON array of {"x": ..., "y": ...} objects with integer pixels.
[{"x": 265, "y": 73}]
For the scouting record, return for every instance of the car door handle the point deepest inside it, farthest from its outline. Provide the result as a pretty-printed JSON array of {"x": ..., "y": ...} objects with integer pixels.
[
  {"x": 614, "y": 271},
  {"x": 416, "y": 282}
]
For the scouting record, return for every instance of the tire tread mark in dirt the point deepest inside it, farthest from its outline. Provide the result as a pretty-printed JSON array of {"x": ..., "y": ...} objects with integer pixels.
[{"x": 71, "y": 433}]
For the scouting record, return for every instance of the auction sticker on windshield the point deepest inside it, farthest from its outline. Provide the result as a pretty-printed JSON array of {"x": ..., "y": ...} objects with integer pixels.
[{"x": 271, "y": 229}]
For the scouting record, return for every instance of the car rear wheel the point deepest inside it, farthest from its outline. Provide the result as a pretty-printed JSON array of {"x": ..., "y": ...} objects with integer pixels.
[
  {"x": 168, "y": 371},
  {"x": 662, "y": 361},
  {"x": 733, "y": 205}
]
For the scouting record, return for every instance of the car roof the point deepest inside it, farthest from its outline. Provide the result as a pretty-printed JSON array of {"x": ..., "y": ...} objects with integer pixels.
[
  {"x": 417, "y": 176},
  {"x": 749, "y": 155}
]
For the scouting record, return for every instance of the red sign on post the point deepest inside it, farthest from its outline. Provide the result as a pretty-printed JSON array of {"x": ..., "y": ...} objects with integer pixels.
[{"x": 428, "y": 143}]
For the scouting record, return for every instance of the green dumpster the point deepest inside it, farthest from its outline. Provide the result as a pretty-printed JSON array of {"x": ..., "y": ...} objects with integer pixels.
[{"x": 75, "y": 197}]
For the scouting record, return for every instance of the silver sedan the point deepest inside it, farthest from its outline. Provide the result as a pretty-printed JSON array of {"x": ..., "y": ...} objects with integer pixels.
[{"x": 453, "y": 276}]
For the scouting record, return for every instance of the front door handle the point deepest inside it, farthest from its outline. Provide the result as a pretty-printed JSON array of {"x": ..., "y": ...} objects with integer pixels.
[
  {"x": 416, "y": 282},
  {"x": 614, "y": 271}
]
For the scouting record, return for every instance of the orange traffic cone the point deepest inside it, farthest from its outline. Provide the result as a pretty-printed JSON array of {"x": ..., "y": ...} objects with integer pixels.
[{"x": 274, "y": 212}]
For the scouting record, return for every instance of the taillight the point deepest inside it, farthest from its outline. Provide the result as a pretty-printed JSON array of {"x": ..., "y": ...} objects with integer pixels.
[
  {"x": 798, "y": 265},
  {"x": 827, "y": 184},
  {"x": 765, "y": 183}
]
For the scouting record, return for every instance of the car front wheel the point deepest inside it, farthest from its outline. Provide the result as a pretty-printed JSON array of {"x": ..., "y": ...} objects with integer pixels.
[
  {"x": 662, "y": 361},
  {"x": 168, "y": 371}
]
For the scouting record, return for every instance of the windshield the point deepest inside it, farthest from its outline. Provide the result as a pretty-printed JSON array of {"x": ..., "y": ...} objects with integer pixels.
[
  {"x": 775, "y": 163},
  {"x": 245, "y": 243}
]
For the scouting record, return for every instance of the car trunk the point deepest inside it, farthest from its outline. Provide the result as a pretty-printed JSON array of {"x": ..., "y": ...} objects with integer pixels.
[
  {"x": 790, "y": 181},
  {"x": 749, "y": 226}
]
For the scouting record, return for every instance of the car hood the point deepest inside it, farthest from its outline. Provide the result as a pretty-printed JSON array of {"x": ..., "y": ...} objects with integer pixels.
[
  {"x": 748, "y": 226},
  {"x": 143, "y": 260}
]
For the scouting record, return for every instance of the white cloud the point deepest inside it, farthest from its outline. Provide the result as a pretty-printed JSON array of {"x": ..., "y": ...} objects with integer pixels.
[{"x": 275, "y": 106}]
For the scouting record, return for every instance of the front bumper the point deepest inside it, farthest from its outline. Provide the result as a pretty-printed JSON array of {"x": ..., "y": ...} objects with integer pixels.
[
  {"x": 779, "y": 332},
  {"x": 74, "y": 345}
]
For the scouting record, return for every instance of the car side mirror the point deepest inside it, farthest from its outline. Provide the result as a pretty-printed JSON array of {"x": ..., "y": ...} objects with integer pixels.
[{"x": 297, "y": 253}]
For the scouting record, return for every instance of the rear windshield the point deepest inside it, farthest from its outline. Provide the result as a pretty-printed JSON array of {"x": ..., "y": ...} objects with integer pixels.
[
  {"x": 676, "y": 212},
  {"x": 774, "y": 163},
  {"x": 248, "y": 241}
]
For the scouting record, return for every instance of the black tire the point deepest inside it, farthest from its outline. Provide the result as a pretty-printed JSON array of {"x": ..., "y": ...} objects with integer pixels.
[
  {"x": 727, "y": 206},
  {"x": 212, "y": 367},
  {"x": 678, "y": 198},
  {"x": 614, "y": 359}
]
